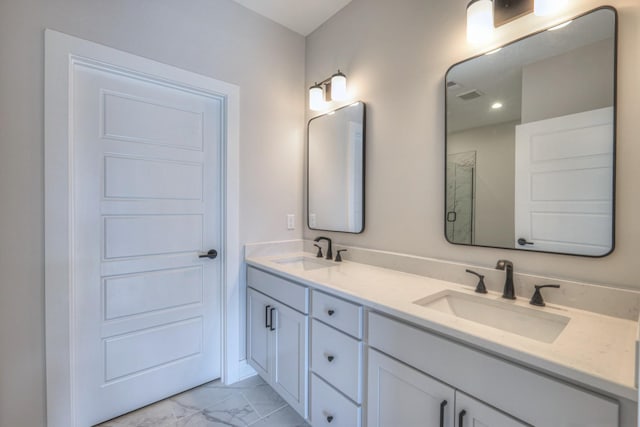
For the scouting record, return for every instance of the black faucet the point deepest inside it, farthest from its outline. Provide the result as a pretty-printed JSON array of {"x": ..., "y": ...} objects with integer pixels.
[
  {"x": 508, "y": 292},
  {"x": 329, "y": 252}
]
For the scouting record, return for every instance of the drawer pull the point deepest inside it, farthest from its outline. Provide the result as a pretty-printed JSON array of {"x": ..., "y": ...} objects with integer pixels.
[
  {"x": 330, "y": 418},
  {"x": 330, "y": 312},
  {"x": 461, "y": 418},
  {"x": 271, "y": 310},
  {"x": 442, "y": 406},
  {"x": 330, "y": 358},
  {"x": 266, "y": 317}
]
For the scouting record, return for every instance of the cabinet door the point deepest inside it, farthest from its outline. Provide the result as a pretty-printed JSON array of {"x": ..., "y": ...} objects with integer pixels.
[
  {"x": 258, "y": 332},
  {"x": 290, "y": 361},
  {"x": 473, "y": 413},
  {"x": 402, "y": 396}
]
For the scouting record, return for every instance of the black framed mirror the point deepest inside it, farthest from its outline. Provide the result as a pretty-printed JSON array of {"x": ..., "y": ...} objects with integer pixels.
[
  {"x": 530, "y": 141},
  {"x": 335, "y": 170}
]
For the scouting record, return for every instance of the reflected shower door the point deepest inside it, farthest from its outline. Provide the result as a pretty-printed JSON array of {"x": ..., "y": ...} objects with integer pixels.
[{"x": 461, "y": 169}]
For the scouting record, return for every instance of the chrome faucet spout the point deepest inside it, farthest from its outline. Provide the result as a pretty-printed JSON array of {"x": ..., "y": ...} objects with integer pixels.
[{"x": 507, "y": 266}]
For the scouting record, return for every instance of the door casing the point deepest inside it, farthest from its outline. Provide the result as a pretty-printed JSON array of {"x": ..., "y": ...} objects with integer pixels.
[{"x": 62, "y": 52}]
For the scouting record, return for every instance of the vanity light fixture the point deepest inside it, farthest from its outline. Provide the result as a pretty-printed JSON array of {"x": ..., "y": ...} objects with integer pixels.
[
  {"x": 483, "y": 16},
  {"x": 335, "y": 89},
  {"x": 316, "y": 101},
  {"x": 479, "y": 21}
]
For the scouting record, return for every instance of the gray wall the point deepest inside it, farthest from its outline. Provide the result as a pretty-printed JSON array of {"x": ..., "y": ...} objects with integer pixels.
[
  {"x": 395, "y": 55},
  {"x": 217, "y": 38},
  {"x": 495, "y": 180},
  {"x": 577, "y": 81}
]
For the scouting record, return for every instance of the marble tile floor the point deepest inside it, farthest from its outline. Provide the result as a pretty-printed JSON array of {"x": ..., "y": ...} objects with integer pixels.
[{"x": 250, "y": 402}]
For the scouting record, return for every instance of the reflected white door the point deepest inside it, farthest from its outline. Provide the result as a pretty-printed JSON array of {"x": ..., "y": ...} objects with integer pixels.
[
  {"x": 147, "y": 194},
  {"x": 564, "y": 183}
]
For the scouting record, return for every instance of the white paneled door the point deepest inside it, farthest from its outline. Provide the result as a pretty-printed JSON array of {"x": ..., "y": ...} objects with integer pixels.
[
  {"x": 564, "y": 183},
  {"x": 147, "y": 202}
]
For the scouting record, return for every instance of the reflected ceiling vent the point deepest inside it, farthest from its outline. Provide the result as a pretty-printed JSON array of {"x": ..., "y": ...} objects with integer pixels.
[
  {"x": 454, "y": 85},
  {"x": 468, "y": 96}
]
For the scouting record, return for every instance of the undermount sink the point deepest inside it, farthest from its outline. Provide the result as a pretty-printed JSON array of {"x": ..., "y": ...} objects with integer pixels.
[
  {"x": 304, "y": 263},
  {"x": 531, "y": 323}
]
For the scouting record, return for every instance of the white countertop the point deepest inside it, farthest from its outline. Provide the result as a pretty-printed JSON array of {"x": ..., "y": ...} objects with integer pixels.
[{"x": 593, "y": 350}]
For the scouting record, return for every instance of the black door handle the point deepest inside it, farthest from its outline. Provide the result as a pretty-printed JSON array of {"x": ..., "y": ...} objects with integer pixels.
[
  {"x": 522, "y": 242},
  {"x": 442, "y": 406},
  {"x": 461, "y": 417},
  {"x": 271, "y": 310},
  {"x": 212, "y": 254},
  {"x": 266, "y": 317}
]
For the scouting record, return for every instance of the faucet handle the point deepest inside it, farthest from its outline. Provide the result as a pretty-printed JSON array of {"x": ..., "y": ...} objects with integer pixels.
[
  {"x": 480, "y": 287},
  {"x": 319, "y": 254},
  {"x": 536, "y": 299},
  {"x": 338, "y": 256}
]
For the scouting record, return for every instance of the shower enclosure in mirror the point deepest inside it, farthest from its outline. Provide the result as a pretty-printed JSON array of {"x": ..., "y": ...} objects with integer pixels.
[
  {"x": 530, "y": 141},
  {"x": 335, "y": 170}
]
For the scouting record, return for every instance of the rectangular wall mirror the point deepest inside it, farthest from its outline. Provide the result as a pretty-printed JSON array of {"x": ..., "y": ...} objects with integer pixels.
[
  {"x": 530, "y": 141},
  {"x": 335, "y": 170}
]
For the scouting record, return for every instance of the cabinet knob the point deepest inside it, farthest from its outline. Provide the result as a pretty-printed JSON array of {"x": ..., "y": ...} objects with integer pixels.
[
  {"x": 330, "y": 358},
  {"x": 330, "y": 418},
  {"x": 330, "y": 312}
]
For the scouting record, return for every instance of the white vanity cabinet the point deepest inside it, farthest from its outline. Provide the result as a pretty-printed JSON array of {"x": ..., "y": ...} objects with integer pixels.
[
  {"x": 336, "y": 362},
  {"x": 356, "y": 366},
  {"x": 277, "y": 336},
  {"x": 526, "y": 395},
  {"x": 402, "y": 396}
]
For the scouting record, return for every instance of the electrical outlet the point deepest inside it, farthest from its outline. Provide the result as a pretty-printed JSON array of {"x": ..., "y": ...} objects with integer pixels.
[{"x": 291, "y": 222}]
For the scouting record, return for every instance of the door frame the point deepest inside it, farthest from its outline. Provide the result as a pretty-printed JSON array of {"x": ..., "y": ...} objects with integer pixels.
[{"x": 62, "y": 53}]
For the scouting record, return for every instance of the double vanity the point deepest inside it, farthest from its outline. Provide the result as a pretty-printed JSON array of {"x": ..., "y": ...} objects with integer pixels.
[{"x": 352, "y": 344}]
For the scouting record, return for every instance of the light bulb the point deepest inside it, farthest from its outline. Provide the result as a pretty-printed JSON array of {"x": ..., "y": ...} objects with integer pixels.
[
  {"x": 316, "y": 103},
  {"x": 548, "y": 7},
  {"x": 338, "y": 87},
  {"x": 479, "y": 21}
]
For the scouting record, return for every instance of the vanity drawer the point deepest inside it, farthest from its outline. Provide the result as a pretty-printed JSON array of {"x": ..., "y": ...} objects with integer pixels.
[
  {"x": 522, "y": 393},
  {"x": 338, "y": 313},
  {"x": 337, "y": 358},
  {"x": 289, "y": 293},
  {"x": 330, "y": 408}
]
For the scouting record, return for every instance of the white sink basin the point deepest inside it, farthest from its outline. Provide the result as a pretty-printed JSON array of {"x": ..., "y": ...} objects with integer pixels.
[
  {"x": 535, "y": 324},
  {"x": 304, "y": 263}
]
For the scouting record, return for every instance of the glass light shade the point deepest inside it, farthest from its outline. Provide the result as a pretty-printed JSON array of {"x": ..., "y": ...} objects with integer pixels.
[
  {"x": 316, "y": 101},
  {"x": 479, "y": 21},
  {"x": 548, "y": 7},
  {"x": 338, "y": 87}
]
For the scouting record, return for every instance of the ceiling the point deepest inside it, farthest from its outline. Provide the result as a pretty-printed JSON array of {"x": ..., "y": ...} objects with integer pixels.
[{"x": 301, "y": 16}]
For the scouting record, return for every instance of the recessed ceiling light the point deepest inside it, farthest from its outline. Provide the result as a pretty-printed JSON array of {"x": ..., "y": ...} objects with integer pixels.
[
  {"x": 496, "y": 105},
  {"x": 557, "y": 27}
]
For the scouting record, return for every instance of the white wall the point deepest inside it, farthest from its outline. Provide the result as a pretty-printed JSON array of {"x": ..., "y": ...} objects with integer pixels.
[
  {"x": 217, "y": 38},
  {"x": 395, "y": 55},
  {"x": 494, "y": 181}
]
